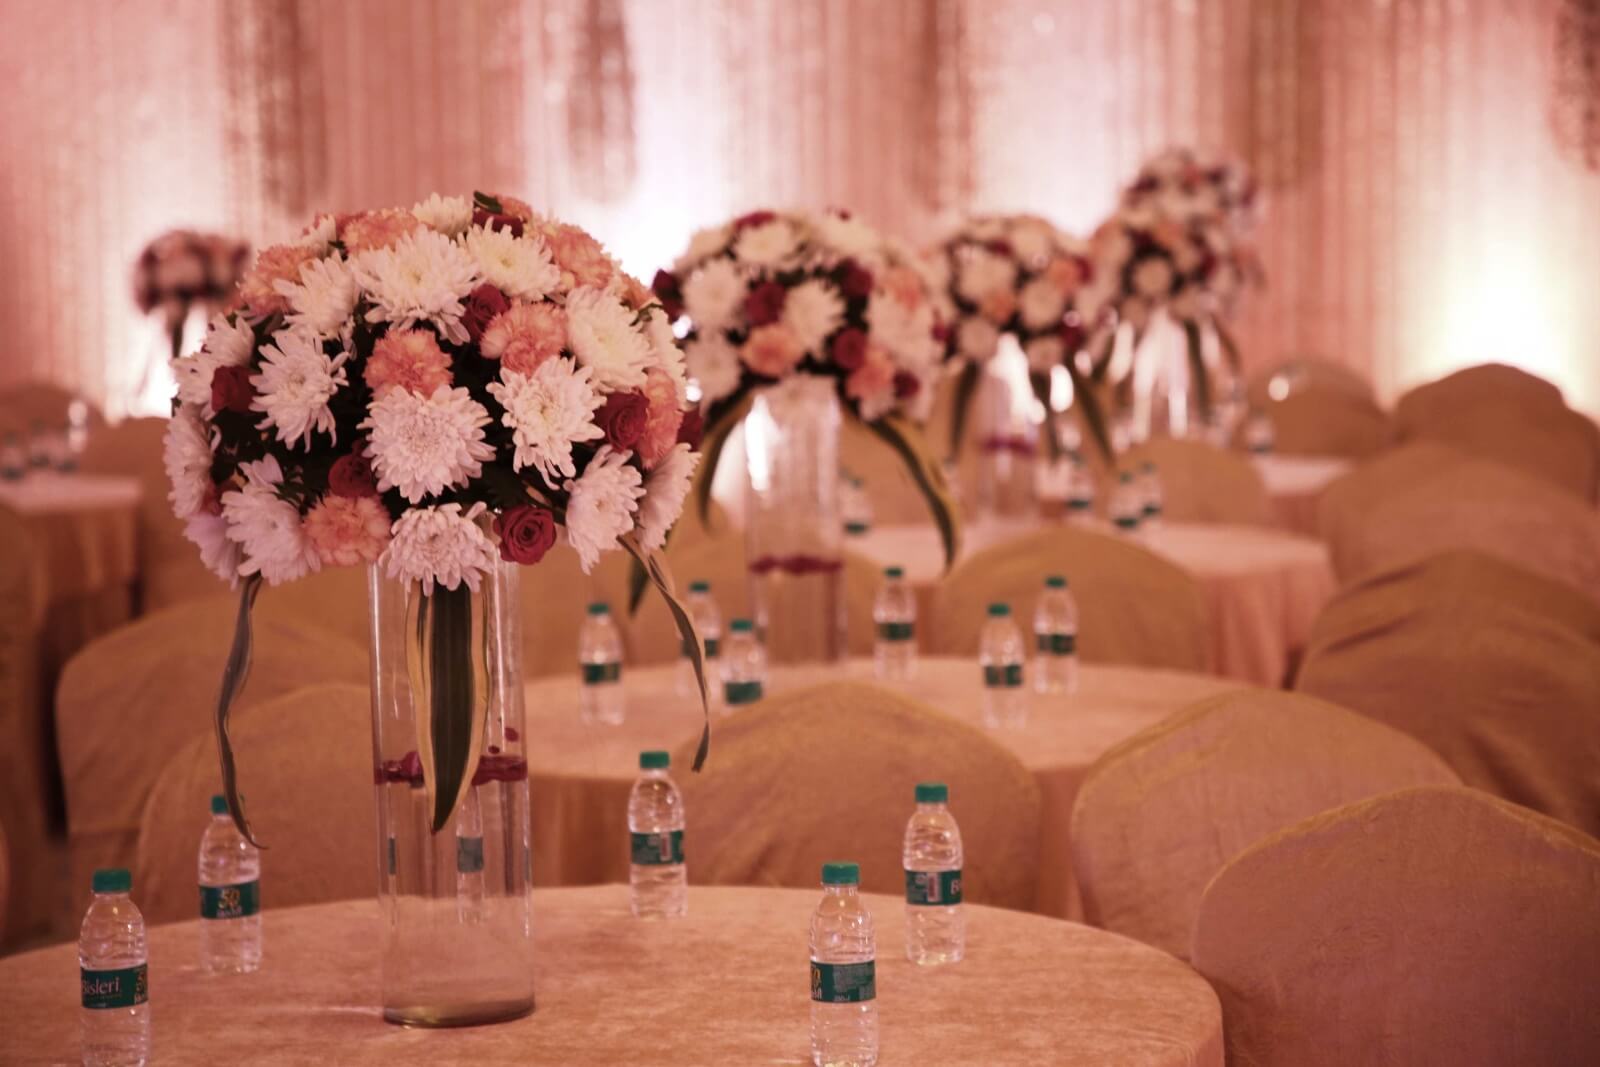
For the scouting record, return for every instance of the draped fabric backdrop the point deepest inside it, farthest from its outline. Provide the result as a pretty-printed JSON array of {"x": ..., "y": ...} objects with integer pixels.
[{"x": 1430, "y": 166}]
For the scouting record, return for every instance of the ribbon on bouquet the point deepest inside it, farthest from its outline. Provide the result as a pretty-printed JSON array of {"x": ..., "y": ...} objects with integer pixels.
[
  {"x": 1016, "y": 444},
  {"x": 798, "y": 564}
]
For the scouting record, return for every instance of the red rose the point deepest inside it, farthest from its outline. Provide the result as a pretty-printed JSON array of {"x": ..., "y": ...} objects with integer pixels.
[
  {"x": 482, "y": 305},
  {"x": 765, "y": 303},
  {"x": 906, "y": 385},
  {"x": 669, "y": 292},
  {"x": 1073, "y": 336},
  {"x": 1085, "y": 268},
  {"x": 850, "y": 348},
  {"x": 941, "y": 331},
  {"x": 854, "y": 279},
  {"x": 754, "y": 218},
  {"x": 351, "y": 476},
  {"x": 526, "y": 533},
  {"x": 692, "y": 428},
  {"x": 999, "y": 247},
  {"x": 489, "y": 220},
  {"x": 623, "y": 418},
  {"x": 231, "y": 389}
]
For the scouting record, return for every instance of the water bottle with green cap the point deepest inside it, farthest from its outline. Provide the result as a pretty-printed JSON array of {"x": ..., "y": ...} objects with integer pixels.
[
  {"x": 1055, "y": 638},
  {"x": 1127, "y": 504},
  {"x": 1000, "y": 657},
  {"x": 844, "y": 986},
  {"x": 744, "y": 666},
  {"x": 230, "y": 896},
  {"x": 1080, "y": 492},
  {"x": 702, "y": 609},
  {"x": 600, "y": 666},
  {"x": 935, "y": 927},
  {"x": 114, "y": 973},
  {"x": 658, "y": 879},
  {"x": 1151, "y": 498},
  {"x": 894, "y": 611}
]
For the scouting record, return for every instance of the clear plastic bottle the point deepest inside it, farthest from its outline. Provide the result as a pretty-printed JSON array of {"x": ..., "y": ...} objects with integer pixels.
[
  {"x": 1259, "y": 435},
  {"x": 1151, "y": 498},
  {"x": 1000, "y": 654},
  {"x": 844, "y": 986},
  {"x": 13, "y": 457},
  {"x": 894, "y": 611},
  {"x": 1055, "y": 638},
  {"x": 1127, "y": 504},
  {"x": 744, "y": 666},
  {"x": 658, "y": 879},
  {"x": 855, "y": 506},
  {"x": 600, "y": 667},
  {"x": 936, "y": 929},
  {"x": 113, "y": 968},
  {"x": 708, "y": 623},
  {"x": 40, "y": 445},
  {"x": 1080, "y": 492},
  {"x": 230, "y": 897}
]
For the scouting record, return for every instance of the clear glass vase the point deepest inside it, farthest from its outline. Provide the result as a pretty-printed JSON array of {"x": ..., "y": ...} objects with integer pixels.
[
  {"x": 793, "y": 524},
  {"x": 456, "y": 904}
]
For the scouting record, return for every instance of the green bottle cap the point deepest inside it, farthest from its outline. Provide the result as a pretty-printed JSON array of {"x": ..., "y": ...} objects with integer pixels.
[
  {"x": 841, "y": 873},
  {"x": 1056, "y": 581},
  {"x": 741, "y": 626},
  {"x": 112, "y": 880},
  {"x": 654, "y": 761},
  {"x": 219, "y": 805},
  {"x": 932, "y": 793},
  {"x": 894, "y": 572},
  {"x": 999, "y": 611},
  {"x": 700, "y": 586},
  {"x": 599, "y": 607}
]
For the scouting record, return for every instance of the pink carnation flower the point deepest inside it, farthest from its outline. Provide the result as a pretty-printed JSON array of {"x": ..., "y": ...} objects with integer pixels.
[
  {"x": 377, "y": 229},
  {"x": 905, "y": 285},
  {"x": 872, "y": 383},
  {"x": 581, "y": 259},
  {"x": 280, "y": 263},
  {"x": 407, "y": 359},
  {"x": 662, "y": 419},
  {"x": 772, "y": 350},
  {"x": 347, "y": 530},
  {"x": 525, "y": 336}
]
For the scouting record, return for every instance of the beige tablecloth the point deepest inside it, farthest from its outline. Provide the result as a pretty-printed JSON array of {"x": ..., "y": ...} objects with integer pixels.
[
  {"x": 1295, "y": 484},
  {"x": 580, "y": 774},
  {"x": 726, "y": 985}
]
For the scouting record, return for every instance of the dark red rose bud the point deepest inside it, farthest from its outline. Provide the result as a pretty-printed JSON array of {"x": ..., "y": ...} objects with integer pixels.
[
  {"x": 667, "y": 289},
  {"x": 765, "y": 303},
  {"x": 941, "y": 331},
  {"x": 1085, "y": 268},
  {"x": 999, "y": 247},
  {"x": 526, "y": 533},
  {"x": 692, "y": 429},
  {"x": 482, "y": 305},
  {"x": 754, "y": 218},
  {"x": 623, "y": 418},
  {"x": 1073, "y": 336},
  {"x": 906, "y": 385},
  {"x": 231, "y": 389},
  {"x": 854, "y": 279},
  {"x": 490, "y": 220},
  {"x": 849, "y": 348},
  {"x": 351, "y": 475}
]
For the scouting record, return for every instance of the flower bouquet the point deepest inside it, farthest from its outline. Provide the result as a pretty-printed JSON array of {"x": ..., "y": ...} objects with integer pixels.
[{"x": 183, "y": 269}]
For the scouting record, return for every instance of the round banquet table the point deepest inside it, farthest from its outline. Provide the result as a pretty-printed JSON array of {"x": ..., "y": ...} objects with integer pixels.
[
  {"x": 580, "y": 774},
  {"x": 1264, "y": 587},
  {"x": 1295, "y": 484},
  {"x": 726, "y": 985}
]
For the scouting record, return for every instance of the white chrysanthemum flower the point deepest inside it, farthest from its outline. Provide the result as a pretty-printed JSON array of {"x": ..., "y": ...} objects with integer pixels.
[
  {"x": 1153, "y": 277},
  {"x": 219, "y": 552},
  {"x": 547, "y": 412},
  {"x": 847, "y": 238},
  {"x": 268, "y": 527},
  {"x": 664, "y": 493},
  {"x": 704, "y": 244},
  {"x": 1031, "y": 239},
  {"x": 982, "y": 272},
  {"x": 977, "y": 338},
  {"x": 321, "y": 234},
  {"x": 906, "y": 332},
  {"x": 664, "y": 349},
  {"x": 601, "y": 503},
  {"x": 713, "y": 294},
  {"x": 186, "y": 454},
  {"x": 1041, "y": 304},
  {"x": 601, "y": 333},
  {"x": 520, "y": 267},
  {"x": 714, "y": 365},
  {"x": 325, "y": 297},
  {"x": 988, "y": 228},
  {"x": 813, "y": 310},
  {"x": 450, "y": 215},
  {"x": 423, "y": 445},
  {"x": 1044, "y": 353},
  {"x": 226, "y": 345},
  {"x": 770, "y": 244},
  {"x": 422, "y": 278},
  {"x": 439, "y": 546},
  {"x": 296, "y": 382}
]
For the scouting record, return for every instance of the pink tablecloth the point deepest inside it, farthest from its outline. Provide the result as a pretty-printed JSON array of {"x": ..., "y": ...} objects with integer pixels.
[
  {"x": 580, "y": 774},
  {"x": 1295, "y": 484},
  {"x": 726, "y": 985}
]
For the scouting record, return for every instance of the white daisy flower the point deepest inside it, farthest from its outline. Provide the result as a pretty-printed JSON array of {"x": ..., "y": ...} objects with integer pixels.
[
  {"x": 770, "y": 244},
  {"x": 422, "y": 278},
  {"x": 664, "y": 493},
  {"x": 548, "y": 411},
  {"x": 668, "y": 356},
  {"x": 713, "y": 294},
  {"x": 268, "y": 527},
  {"x": 439, "y": 546},
  {"x": 601, "y": 334},
  {"x": 977, "y": 338},
  {"x": 704, "y": 244},
  {"x": 848, "y": 238},
  {"x": 1040, "y": 304},
  {"x": 219, "y": 552},
  {"x": 714, "y": 366},
  {"x": 813, "y": 310},
  {"x": 226, "y": 345},
  {"x": 600, "y": 505},
  {"x": 325, "y": 297},
  {"x": 982, "y": 272},
  {"x": 186, "y": 454},
  {"x": 520, "y": 267},
  {"x": 296, "y": 382},
  {"x": 450, "y": 215},
  {"x": 423, "y": 445}
]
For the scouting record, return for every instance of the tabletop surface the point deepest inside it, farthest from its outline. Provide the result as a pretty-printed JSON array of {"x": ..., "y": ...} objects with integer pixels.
[
  {"x": 726, "y": 985},
  {"x": 1299, "y": 474},
  {"x": 40, "y": 492}
]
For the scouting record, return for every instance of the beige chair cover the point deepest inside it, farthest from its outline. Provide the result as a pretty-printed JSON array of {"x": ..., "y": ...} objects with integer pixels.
[
  {"x": 5, "y": 880},
  {"x": 1133, "y": 606},
  {"x": 305, "y": 766},
  {"x": 1201, "y": 482},
  {"x": 1305, "y": 374},
  {"x": 1485, "y": 385},
  {"x": 1434, "y": 927},
  {"x": 1328, "y": 421},
  {"x": 1347, "y": 500},
  {"x": 1504, "y": 686},
  {"x": 827, "y": 773},
  {"x": 28, "y": 779},
  {"x": 133, "y": 698},
  {"x": 1164, "y": 811},
  {"x": 555, "y": 592},
  {"x": 21, "y": 406},
  {"x": 894, "y": 495}
]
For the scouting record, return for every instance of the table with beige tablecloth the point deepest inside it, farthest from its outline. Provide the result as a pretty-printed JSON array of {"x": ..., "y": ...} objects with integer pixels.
[
  {"x": 728, "y": 984},
  {"x": 1295, "y": 484},
  {"x": 580, "y": 773}
]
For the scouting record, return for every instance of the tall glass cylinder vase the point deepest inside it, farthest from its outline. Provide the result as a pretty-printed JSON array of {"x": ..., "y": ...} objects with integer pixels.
[
  {"x": 456, "y": 903},
  {"x": 793, "y": 525}
]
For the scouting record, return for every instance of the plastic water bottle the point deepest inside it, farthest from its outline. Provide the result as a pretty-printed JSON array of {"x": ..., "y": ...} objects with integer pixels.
[
  {"x": 13, "y": 459},
  {"x": 708, "y": 623},
  {"x": 1259, "y": 435},
  {"x": 1055, "y": 638},
  {"x": 600, "y": 666},
  {"x": 1080, "y": 492},
  {"x": 744, "y": 666},
  {"x": 1150, "y": 496},
  {"x": 894, "y": 652},
  {"x": 113, "y": 968},
  {"x": 844, "y": 979},
  {"x": 936, "y": 930},
  {"x": 658, "y": 880},
  {"x": 230, "y": 897},
  {"x": 1000, "y": 654},
  {"x": 855, "y": 506},
  {"x": 1127, "y": 504}
]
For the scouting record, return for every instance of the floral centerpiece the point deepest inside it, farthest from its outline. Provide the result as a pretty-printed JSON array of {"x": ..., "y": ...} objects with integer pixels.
[{"x": 182, "y": 270}]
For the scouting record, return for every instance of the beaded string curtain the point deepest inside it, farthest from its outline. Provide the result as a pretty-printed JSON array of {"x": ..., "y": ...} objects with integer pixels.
[{"x": 1428, "y": 202}]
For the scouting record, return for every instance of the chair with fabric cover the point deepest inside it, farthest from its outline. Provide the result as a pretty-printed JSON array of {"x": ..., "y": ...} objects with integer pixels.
[
  {"x": 1503, "y": 686},
  {"x": 5, "y": 880},
  {"x": 1133, "y": 606},
  {"x": 1349, "y": 498},
  {"x": 895, "y": 497},
  {"x": 46, "y": 404},
  {"x": 305, "y": 768},
  {"x": 1305, "y": 374},
  {"x": 28, "y": 784},
  {"x": 131, "y": 699},
  {"x": 1324, "y": 421},
  {"x": 1432, "y": 927},
  {"x": 1161, "y": 813},
  {"x": 555, "y": 592},
  {"x": 1201, "y": 482},
  {"x": 1486, "y": 384},
  {"x": 827, "y": 773}
]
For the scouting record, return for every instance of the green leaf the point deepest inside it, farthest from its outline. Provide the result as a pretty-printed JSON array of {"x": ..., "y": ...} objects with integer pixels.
[
  {"x": 1229, "y": 348},
  {"x": 1197, "y": 367},
  {"x": 1041, "y": 393},
  {"x": 1087, "y": 402},
  {"x": 728, "y": 414},
  {"x": 1102, "y": 362},
  {"x": 234, "y": 674},
  {"x": 662, "y": 579},
  {"x": 907, "y": 441},
  {"x": 454, "y": 693},
  {"x": 961, "y": 404},
  {"x": 488, "y": 203}
]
